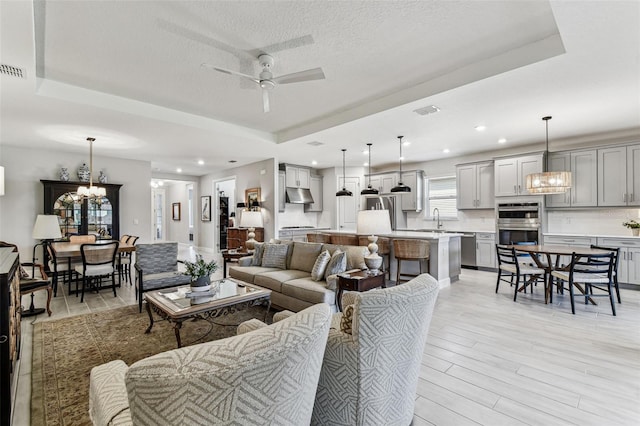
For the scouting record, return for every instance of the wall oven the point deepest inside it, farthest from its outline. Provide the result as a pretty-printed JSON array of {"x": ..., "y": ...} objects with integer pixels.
[{"x": 519, "y": 222}]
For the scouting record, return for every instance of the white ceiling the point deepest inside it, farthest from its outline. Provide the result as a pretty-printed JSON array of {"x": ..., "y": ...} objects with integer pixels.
[{"x": 128, "y": 73}]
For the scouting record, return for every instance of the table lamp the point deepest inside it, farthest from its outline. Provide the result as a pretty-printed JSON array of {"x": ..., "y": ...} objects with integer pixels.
[
  {"x": 45, "y": 228},
  {"x": 372, "y": 222},
  {"x": 251, "y": 220}
]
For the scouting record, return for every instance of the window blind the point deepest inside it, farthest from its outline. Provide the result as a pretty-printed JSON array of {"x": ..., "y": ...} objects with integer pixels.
[{"x": 442, "y": 194}]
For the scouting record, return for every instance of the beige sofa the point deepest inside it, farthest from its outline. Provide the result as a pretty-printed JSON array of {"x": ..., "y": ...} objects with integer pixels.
[{"x": 292, "y": 287}]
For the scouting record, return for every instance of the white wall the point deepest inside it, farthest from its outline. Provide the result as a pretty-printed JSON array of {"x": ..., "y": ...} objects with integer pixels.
[
  {"x": 178, "y": 230},
  {"x": 24, "y": 195}
]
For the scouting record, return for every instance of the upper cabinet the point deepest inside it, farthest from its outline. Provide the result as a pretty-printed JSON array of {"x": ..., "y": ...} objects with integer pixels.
[
  {"x": 475, "y": 186},
  {"x": 619, "y": 176},
  {"x": 511, "y": 174},
  {"x": 583, "y": 166},
  {"x": 383, "y": 182},
  {"x": 316, "y": 192},
  {"x": 412, "y": 201},
  {"x": 297, "y": 177}
]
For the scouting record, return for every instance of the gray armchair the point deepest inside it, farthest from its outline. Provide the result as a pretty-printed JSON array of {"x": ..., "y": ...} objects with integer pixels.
[
  {"x": 156, "y": 268},
  {"x": 370, "y": 370}
]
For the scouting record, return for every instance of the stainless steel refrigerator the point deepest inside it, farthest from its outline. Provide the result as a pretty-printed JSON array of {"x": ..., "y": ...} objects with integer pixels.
[{"x": 393, "y": 204}]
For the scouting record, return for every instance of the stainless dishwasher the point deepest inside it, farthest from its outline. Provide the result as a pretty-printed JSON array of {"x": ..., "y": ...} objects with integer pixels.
[{"x": 468, "y": 242}]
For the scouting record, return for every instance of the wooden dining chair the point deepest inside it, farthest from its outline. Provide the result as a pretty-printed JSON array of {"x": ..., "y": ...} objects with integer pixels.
[
  {"x": 81, "y": 239},
  {"x": 98, "y": 260},
  {"x": 509, "y": 263},
  {"x": 124, "y": 260}
]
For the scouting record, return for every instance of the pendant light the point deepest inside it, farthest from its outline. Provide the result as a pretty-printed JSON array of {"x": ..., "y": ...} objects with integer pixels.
[
  {"x": 400, "y": 187},
  {"x": 344, "y": 192},
  {"x": 91, "y": 191},
  {"x": 548, "y": 182},
  {"x": 369, "y": 190}
]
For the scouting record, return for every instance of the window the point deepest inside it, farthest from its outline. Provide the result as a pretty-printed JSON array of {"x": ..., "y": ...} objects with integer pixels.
[
  {"x": 441, "y": 194},
  {"x": 190, "y": 195}
]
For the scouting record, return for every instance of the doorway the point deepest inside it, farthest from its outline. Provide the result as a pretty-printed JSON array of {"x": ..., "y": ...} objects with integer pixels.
[
  {"x": 224, "y": 206},
  {"x": 348, "y": 206},
  {"x": 158, "y": 196}
]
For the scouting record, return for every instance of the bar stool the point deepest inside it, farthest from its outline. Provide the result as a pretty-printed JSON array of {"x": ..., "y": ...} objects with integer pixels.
[
  {"x": 344, "y": 239},
  {"x": 384, "y": 250},
  {"x": 316, "y": 237},
  {"x": 410, "y": 250}
]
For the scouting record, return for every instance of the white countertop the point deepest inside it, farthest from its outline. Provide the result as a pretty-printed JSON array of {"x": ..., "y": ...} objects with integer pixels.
[
  {"x": 425, "y": 235},
  {"x": 550, "y": 234}
]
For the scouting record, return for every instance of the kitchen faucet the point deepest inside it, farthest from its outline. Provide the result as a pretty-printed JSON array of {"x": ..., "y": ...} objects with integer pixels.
[{"x": 435, "y": 210}]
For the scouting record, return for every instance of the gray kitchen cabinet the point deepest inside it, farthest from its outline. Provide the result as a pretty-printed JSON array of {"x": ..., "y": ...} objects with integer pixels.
[
  {"x": 383, "y": 182},
  {"x": 282, "y": 195},
  {"x": 571, "y": 241},
  {"x": 297, "y": 176},
  {"x": 475, "y": 186},
  {"x": 619, "y": 176},
  {"x": 315, "y": 186},
  {"x": 628, "y": 260},
  {"x": 413, "y": 201},
  {"x": 584, "y": 178},
  {"x": 511, "y": 174},
  {"x": 486, "y": 250}
]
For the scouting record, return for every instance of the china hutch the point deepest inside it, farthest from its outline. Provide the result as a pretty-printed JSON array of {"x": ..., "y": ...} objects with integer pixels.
[{"x": 9, "y": 331}]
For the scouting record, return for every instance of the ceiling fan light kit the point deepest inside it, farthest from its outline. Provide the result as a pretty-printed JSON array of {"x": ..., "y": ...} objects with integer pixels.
[
  {"x": 267, "y": 81},
  {"x": 369, "y": 190},
  {"x": 548, "y": 182},
  {"x": 400, "y": 187},
  {"x": 344, "y": 192}
]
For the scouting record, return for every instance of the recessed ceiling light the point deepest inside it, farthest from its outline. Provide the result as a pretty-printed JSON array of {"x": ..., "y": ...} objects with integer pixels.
[
  {"x": 446, "y": 150},
  {"x": 365, "y": 152},
  {"x": 201, "y": 162},
  {"x": 401, "y": 158},
  {"x": 314, "y": 163},
  {"x": 366, "y": 164},
  {"x": 179, "y": 170},
  {"x": 427, "y": 110},
  {"x": 481, "y": 128},
  {"x": 161, "y": 183},
  {"x": 502, "y": 140},
  {"x": 406, "y": 143}
]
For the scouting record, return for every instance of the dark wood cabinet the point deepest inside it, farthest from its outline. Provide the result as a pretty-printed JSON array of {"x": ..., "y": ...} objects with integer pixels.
[
  {"x": 9, "y": 330},
  {"x": 82, "y": 216},
  {"x": 224, "y": 220},
  {"x": 237, "y": 236}
]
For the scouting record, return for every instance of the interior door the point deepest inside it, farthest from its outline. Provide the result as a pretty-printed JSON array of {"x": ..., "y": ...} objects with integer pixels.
[
  {"x": 348, "y": 206},
  {"x": 159, "y": 222}
]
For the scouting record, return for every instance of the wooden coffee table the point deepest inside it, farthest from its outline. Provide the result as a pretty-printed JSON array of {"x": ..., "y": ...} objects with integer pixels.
[
  {"x": 358, "y": 281},
  {"x": 233, "y": 295}
]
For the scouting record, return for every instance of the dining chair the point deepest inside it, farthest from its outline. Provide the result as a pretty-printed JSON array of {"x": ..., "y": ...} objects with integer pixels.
[
  {"x": 316, "y": 237},
  {"x": 124, "y": 259},
  {"x": 344, "y": 239},
  {"x": 592, "y": 271},
  {"x": 81, "y": 239},
  {"x": 60, "y": 268},
  {"x": 616, "y": 256},
  {"x": 509, "y": 263},
  {"x": 410, "y": 250},
  {"x": 98, "y": 260}
]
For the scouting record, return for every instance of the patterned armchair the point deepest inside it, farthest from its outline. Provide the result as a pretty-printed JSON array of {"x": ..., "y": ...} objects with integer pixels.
[
  {"x": 157, "y": 268},
  {"x": 268, "y": 376},
  {"x": 370, "y": 370}
]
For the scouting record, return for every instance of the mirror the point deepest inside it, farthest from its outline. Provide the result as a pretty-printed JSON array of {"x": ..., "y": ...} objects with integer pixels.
[{"x": 69, "y": 207}]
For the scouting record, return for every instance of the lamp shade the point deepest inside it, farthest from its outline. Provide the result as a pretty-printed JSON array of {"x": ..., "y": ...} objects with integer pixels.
[
  {"x": 251, "y": 219},
  {"x": 374, "y": 222},
  {"x": 241, "y": 205},
  {"x": 46, "y": 227},
  {"x": 1, "y": 180}
]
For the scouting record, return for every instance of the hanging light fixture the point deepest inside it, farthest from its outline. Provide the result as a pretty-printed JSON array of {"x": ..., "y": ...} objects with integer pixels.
[
  {"x": 344, "y": 192},
  {"x": 400, "y": 187},
  {"x": 91, "y": 191},
  {"x": 548, "y": 182},
  {"x": 369, "y": 190}
]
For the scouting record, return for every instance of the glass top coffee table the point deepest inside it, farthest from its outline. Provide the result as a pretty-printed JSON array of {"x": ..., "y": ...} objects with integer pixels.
[{"x": 179, "y": 304}]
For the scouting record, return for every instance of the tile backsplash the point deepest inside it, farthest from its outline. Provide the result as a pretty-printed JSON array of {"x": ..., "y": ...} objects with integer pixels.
[{"x": 591, "y": 222}]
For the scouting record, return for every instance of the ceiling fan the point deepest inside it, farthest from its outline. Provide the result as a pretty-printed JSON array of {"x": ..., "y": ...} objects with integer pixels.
[{"x": 267, "y": 81}]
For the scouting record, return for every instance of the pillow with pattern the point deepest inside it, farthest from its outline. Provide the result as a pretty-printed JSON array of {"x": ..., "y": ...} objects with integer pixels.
[
  {"x": 347, "y": 320},
  {"x": 257, "y": 254},
  {"x": 317, "y": 272},
  {"x": 337, "y": 264},
  {"x": 275, "y": 256}
]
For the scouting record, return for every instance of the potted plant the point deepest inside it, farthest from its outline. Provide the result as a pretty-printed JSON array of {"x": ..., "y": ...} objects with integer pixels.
[
  {"x": 634, "y": 226},
  {"x": 200, "y": 272}
]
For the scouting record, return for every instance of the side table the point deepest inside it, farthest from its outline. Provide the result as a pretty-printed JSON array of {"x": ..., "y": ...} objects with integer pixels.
[
  {"x": 232, "y": 256},
  {"x": 358, "y": 281}
]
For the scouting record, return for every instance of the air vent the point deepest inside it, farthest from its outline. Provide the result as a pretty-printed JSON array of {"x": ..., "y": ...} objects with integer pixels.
[
  {"x": 315, "y": 143},
  {"x": 12, "y": 71},
  {"x": 431, "y": 109}
]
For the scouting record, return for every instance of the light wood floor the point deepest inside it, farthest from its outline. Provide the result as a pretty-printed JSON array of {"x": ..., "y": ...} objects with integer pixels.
[{"x": 488, "y": 360}]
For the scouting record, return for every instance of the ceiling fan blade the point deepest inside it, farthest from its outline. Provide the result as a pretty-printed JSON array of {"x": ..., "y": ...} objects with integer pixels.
[
  {"x": 230, "y": 72},
  {"x": 296, "y": 77},
  {"x": 265, "y": 100},
  {"x": 284, "y": 45}
]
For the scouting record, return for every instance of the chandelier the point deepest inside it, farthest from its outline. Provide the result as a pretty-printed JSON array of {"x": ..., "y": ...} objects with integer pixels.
[
  {"x": 548, "y": 182},
  {"x": 91, "y": 191}
]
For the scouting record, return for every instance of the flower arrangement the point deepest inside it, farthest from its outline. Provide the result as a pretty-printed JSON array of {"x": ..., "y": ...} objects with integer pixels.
[
  {"x": 632, "y": 224},
  {"x": 200, "y": 268}
]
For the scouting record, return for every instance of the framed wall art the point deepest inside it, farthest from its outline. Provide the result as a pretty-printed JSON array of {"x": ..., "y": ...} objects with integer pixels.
[
  {"x": 251, "y": 195},
  {"x": 175, "y": 210},
  {"x": 205, "y": 208}
]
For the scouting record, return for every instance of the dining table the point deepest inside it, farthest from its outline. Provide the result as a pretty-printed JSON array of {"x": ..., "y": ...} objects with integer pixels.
[{"x": 539, "y": 252}]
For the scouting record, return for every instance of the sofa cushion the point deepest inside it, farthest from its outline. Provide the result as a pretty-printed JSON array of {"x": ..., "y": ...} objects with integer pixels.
[
  {"x": 309, "y": 290},
  {"x": 320, "y": 265},
  {"x": 304, "y": 255},
  {"x": 257, "y": 254},
  {"x": 355, "y": 256},
  {"x": 275, "y": 256},
  {"x": 337, "y": 264},
  {"x": 273, "y": 280},
  {"x": 248, "y": 273}
]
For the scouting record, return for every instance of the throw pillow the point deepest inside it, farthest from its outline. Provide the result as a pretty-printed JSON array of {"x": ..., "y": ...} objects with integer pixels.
[
  {"x": 257, "y": 254},
  {"x": 275, "y": 256},
  {"x": 304, "y": 255},
  {"x": 347, "y": 320},
  {"x": 337, "y": 264},
  {"x": 355, "y": 256},
  {"x": 317, "y": 272}
]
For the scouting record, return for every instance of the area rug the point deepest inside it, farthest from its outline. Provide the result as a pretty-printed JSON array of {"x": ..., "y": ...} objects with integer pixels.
[{"x": 65, "y": 351}]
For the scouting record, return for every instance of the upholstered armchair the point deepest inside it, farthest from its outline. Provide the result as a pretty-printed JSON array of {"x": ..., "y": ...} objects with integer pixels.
[
  {"x": 372, "y": 359},
  {"x": 268, "y": 376}
]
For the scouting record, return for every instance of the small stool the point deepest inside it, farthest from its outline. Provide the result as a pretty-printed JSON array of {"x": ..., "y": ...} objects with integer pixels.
[{"x": 413, "y": 250}]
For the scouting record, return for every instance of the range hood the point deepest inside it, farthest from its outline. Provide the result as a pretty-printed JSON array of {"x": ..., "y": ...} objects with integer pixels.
[{"x": 298, "y": 196}]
